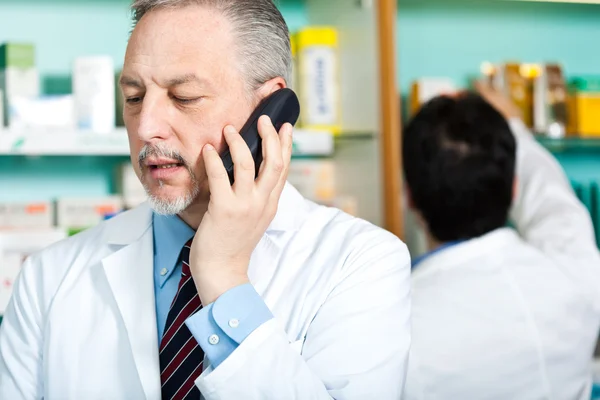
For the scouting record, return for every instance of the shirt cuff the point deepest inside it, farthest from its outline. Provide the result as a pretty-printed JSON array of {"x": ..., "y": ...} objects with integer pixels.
[{"x": 221, "y": 326}]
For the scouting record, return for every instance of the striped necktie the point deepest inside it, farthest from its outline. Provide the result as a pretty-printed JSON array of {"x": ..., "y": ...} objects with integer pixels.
[{"x": 180, "y": 355}]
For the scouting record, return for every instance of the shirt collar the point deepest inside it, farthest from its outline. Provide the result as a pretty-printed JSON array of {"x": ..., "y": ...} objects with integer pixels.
[
  {"x": 444, "y": 246},
  {"x": 170, "y": 235}
]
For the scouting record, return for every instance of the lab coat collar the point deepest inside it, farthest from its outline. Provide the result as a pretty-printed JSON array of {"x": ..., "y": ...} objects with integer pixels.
[
  {"x": 128, "y": 227},
  {"x": 460, "y": 253}
]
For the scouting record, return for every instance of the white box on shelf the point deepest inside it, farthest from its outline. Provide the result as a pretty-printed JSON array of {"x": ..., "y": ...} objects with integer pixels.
[
  {"x": 20, "y": 215},
  {"x": 17, "y": 82},
  {"x": 15, "y": 247},
  {"x": 44, "y": 113},
  {"x": 312, "y": 142},
  {"x": 129, "y": 186},
  {"x": 94, "y": 92},
  {"x": 314, "y": 179},
  {"x": 86, "y": 212}
]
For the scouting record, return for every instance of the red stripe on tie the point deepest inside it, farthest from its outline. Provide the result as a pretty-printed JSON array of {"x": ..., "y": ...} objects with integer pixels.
[
  {"x": 188, "y": 384},
  {"x": 185, "y": 312},
  {"x": 179, "y": 358}
]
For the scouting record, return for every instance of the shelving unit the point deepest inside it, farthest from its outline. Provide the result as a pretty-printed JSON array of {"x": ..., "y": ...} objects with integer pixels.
[{"x": 365, "y": 155}]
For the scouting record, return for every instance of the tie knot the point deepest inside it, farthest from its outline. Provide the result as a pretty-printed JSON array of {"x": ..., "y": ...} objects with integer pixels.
[{"x": 185, "y": 258}]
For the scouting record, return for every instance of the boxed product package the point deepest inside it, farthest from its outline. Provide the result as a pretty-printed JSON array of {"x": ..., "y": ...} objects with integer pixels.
[
  {"x": 318, "y": 84},
  {"x": 314, "y": 179},
  {"x": 18, "y": 74},
  {"x": 129, "y": 186},
  {"x": 26, "y": 215},
  {"x": 550, "y": 102},
  {"x": 82, "y": 213},
  {"x": 424, "y": 89},
  {"x": 94, "y": 93},
  {"x": 293, "y": 84},
  {"x": 518, "y": 85},
  {"x": 44, "y": 112},
  {"x": 15, "y": 247},
  {"x": 585, "y": 93}
]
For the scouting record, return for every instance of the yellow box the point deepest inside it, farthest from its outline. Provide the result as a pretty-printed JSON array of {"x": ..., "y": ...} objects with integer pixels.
[
  {"x": 587, "y": 110},
  {"x": 318, "y": 78}
]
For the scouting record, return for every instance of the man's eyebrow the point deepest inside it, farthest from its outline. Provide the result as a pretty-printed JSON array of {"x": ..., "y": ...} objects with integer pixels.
[
  {"x": 129, "y": 81},
  {"x": 187, "y": 78}
]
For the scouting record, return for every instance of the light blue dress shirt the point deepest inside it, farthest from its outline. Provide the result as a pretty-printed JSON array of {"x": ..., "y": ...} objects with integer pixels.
[{"x": 220, "y": 327}]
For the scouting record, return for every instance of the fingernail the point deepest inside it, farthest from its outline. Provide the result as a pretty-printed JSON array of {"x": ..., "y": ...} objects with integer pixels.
[
  {"x": 229, "y": 129},
  {"x": 209, "y": 147}
]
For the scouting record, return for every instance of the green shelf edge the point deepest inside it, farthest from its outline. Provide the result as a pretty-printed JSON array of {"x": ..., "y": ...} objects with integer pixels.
[{"x": 570, "y": 144}]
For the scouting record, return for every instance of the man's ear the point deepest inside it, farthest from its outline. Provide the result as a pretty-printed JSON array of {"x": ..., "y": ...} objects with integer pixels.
[{"x": 270, "y": 86}]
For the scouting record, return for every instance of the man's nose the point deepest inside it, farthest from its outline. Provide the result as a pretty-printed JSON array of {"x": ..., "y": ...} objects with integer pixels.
[{"x": 153, "y": 122}]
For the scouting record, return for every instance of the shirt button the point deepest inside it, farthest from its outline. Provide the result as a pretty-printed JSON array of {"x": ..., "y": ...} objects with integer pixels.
[
  {"x": 163, "y": 272},
  {"x": 234, "y": 323},
  {"x": 213, "y": 339}
]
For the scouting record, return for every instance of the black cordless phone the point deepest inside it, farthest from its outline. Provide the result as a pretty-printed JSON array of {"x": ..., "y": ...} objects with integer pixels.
[{"x": 281, "y": 106}]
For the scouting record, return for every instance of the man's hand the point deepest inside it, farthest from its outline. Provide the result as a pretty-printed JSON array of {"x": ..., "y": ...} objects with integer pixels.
[
  {"x": 498, "y": 100},
  {"x": 238, "y": 215}
]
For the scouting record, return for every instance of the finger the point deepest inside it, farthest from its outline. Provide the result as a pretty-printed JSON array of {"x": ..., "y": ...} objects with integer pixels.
[
  {"x": 286, "y": 139},
  {"x": 218, "y": 180},
  {"x": 272, "y": 160},
  {"x": 243, "y": 163}
]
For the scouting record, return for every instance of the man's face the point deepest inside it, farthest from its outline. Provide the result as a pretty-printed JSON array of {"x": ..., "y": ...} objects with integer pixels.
[{"x": 182, "y": 87}]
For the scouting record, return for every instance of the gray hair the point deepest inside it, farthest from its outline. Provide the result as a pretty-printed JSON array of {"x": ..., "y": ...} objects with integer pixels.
[{"x": 262, "y": 35}]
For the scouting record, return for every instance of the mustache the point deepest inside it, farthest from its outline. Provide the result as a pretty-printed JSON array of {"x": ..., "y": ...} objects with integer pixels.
[{"x": 162, "y": 151}]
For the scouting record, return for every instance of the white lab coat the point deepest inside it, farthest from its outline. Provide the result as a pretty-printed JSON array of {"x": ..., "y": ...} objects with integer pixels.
[
  {"x": 512, "y": 315},
  {"x": 82, "y": 322}
]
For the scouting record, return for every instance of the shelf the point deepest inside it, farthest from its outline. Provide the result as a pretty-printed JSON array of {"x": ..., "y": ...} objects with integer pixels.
[
  {"x": 570, "y": 144},
  {"x": 306, "y": 143}
]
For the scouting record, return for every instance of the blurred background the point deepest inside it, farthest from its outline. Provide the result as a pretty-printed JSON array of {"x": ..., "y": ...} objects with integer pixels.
[{"x": 361, "y": 68}]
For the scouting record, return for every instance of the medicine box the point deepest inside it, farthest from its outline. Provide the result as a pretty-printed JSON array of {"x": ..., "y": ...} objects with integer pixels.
[
  {"x": 94, "y": 93},
  {"x": 26, "y": 215},
  {"x": 82, "y": 213},
  {"x": 317, "y": 78},
  {"x": 314, "y": 179},
  {"x": 18, "y": 74}
]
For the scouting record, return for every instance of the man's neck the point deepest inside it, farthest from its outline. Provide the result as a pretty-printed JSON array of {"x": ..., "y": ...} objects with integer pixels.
[
  {"x": 433, "y": 244},
  {"x": 194, "y": 213}
]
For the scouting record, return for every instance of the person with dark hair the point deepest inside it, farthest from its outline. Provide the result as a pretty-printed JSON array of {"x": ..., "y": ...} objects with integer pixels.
[{"x": 497, "y": 312}]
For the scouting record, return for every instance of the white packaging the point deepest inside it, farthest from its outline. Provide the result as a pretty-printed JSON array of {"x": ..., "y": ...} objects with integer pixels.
[
  {"x": 129, "y": 186},
  {"x": 318, "y": 86},
  {"x": 26, "y": 215},
  {"x": 45, "y": 112},
  {"x": 15, "y": 247},
  {"x": 18, "y": 82},
  {"x": 82, "y": 213},
  {"x": 426, "y": 88},
  {"x": 94, "y": 93},
  {"x": 314, "y": 179}
]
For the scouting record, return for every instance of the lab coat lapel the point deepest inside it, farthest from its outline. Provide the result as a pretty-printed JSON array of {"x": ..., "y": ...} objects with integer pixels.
[{"x": 130, "y": 275}]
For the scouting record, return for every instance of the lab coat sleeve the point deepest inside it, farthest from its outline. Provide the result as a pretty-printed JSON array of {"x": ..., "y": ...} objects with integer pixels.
[
  {"x": 355, "y": 348},
  {"x": 21, "y": 340},
  {"x": 548, "y": 214}
]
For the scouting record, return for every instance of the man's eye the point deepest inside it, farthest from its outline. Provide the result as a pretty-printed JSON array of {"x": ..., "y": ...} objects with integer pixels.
[
  {"x": 186, "y": 101},
  {"x": 133, "y": 100}
]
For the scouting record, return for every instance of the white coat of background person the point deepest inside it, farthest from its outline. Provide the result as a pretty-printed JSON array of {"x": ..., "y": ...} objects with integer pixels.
[
  {"x": 514, "y": 313},
  {"x": 82, "y": 322}
]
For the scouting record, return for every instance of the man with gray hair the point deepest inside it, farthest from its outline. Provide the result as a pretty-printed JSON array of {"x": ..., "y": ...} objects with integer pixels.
[{"x": 210, "y": 290}]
